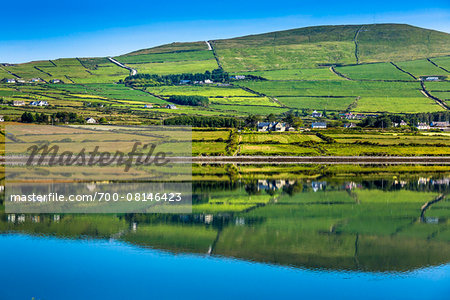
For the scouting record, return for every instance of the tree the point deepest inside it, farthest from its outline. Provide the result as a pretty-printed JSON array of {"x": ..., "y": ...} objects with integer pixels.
[
  {"x": 252, "y": 121},
  {"x": 27, "y": 117},
  {"x": 271, "y": 118}
]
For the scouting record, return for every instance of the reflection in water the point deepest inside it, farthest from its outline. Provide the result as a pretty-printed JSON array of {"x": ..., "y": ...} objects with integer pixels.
[{"x": 375, "y": 225}]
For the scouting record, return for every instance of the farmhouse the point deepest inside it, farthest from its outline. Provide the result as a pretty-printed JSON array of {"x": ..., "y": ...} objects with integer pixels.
[
  {"x": 350, "y": 125},
  {"x": 9, "y": 80},
  {"x": 423, "y": 126},
  {"x": 90, "y": 121},
  {"x": 39, "y": 103},
  {"x": 18, "y": 103},
  {"x": 316, "y": 114},
  {"x": 445, "y": 126},
  {"x": 319, "y": 125},
  {"x": 148, "y": 106},
  {"x": 432, "y": 78},
  {"x": 34, "y": 80},
  {"x": 56, "y": 81},
  {"x": 185, "y": 81},
  {"x": 271, "y": 126},
  {"x": 171, "y": 106},
  {"x": 207, "y": 81}
]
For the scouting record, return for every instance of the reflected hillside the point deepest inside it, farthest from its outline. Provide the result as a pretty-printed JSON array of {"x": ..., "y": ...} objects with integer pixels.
[{"x": 375, "y": 225}]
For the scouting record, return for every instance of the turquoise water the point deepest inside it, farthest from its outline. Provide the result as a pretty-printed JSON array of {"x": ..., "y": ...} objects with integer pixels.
[{"x": 51, "y": 268}]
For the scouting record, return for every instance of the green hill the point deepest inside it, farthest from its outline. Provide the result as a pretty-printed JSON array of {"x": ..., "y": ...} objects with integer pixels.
[{"x": 362, "y": 68}]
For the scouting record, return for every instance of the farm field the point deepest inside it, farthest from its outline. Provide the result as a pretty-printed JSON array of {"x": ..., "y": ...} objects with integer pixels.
[
  {"x": 443, "y": 62},
  {"x": 375, "y": 71},
  {"x": 317, "y": 103},
  {"x": 165, "y": 57},
  {"x": 176, "y": 67},
  {"x": 284, "y": 56},
  {"x": 297, "y": 74},
  {"x": 421, "y": 68}
]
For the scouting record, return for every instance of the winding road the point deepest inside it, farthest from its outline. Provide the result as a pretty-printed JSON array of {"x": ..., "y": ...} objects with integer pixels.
[{"x": 132, "y": 71}]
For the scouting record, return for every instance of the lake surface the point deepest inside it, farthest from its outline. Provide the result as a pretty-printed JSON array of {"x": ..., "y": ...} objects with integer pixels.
[{"x": 336, "y": 238}]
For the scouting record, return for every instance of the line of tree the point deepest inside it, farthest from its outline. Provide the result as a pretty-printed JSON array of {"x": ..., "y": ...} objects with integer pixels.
[
  {"x": 388, "y": 120},
  {"x": 189, "y": 100},
  {"x": 203, "y": 121},
  {"x": 59, "y": 117},
  {"x": 144, "y": 80}
]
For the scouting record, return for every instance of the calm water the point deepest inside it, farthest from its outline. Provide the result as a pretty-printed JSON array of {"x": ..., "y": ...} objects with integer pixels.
[{"x": 334, "y": 238}]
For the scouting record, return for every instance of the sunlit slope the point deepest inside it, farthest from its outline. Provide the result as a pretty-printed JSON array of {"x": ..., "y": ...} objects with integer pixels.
[{"x": 322, "y": 45}]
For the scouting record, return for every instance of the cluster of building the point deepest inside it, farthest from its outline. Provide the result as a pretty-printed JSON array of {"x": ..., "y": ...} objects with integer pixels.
[
  {"x": 168, "y": 106},
  {"x": 32, "y": 80},
  {"x": 274, "y": 126},
  {"x": 32, "y": 103},
  {"x": 206, "y": 81},
  {"x": 443, "y": 126}
]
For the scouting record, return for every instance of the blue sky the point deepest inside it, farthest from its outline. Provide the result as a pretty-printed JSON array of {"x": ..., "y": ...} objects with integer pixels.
[{"x": 34, "y": 30}]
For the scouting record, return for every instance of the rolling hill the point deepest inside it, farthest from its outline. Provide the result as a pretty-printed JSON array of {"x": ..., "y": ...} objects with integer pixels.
[{"x": 362, "y": 68}]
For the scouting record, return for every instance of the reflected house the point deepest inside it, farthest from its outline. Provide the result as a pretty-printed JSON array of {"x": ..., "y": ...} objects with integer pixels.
[
  {"x": 134, "y": 226},
  {"x": 423, "y": 180},
  {"x": 11, "y": 218},
  {"x": 56, "y": 218},
  {"x": 209, "y": 219},
  {"x": 35, "y": 219},
  {"x": 318, "y": 185},
  {"x": 273, "y": 185},
  {"x": 240, "y": 221},
  {"x": 21, "y": 219},
  {"x": 91, "y": 186}
]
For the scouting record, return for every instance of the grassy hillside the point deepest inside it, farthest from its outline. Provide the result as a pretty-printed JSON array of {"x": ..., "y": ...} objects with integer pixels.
[
  {"x": 313, "y": 46},
  {"x": 363, "y": 68}
]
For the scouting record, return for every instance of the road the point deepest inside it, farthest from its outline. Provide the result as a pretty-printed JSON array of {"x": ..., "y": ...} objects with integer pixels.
[
  {"x": 132, "y": 71},
  {"x": 325, "y": 160}
]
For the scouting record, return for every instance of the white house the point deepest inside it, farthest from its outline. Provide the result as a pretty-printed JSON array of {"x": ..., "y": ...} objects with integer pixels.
[
  {"x": 171, "y": 106},
  {"x": 18, "y": 103},
  {"x": 319, "y": 125},
  {"x": 423, "y": 126},
  {"x": 148, "y": 106},
  {"x": 271, "y": 126},
  {"x": 207, "y": 81},
  {"x": 350, "y": 125},
  {"x": 316, "y": 114},
  {"x": 39, "y": 103},
  {"x": 91, "y": 121}
]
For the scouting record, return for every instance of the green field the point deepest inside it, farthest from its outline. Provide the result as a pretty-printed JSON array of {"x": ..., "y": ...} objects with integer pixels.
[
  {"x": 421, "y": 68},
  {"x": 297, "y": 74},
  {"x": 377, "y": 71}
]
